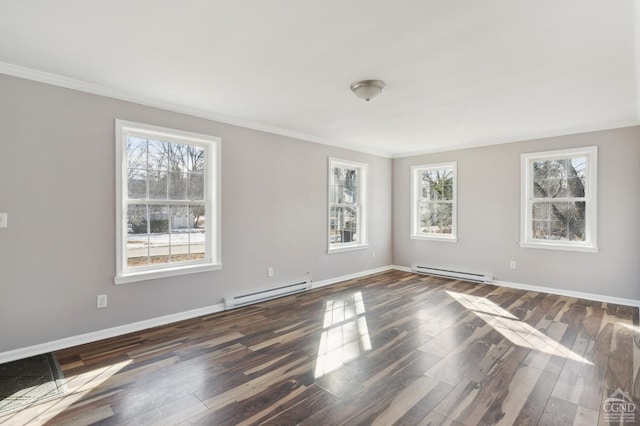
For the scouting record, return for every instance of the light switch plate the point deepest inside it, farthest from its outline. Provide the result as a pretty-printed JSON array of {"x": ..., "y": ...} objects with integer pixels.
[{"x": 3, "y": 220}]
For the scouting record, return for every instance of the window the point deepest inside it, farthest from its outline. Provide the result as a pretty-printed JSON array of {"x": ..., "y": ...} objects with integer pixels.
[
  {"x": 347, "y": 205},
  {"x": 559, "y": 200},
  {"x": 167, "y": 197},
  {"x": 433, "y": 202}
]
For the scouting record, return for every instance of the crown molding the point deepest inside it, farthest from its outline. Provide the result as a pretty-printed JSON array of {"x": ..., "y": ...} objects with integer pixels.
[{"x": 96, "y": 89}]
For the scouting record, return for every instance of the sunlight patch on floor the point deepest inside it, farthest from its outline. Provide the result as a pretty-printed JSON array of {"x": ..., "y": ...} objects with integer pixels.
[
  {"x": 345, "y": 336},
  {"x": 518, "y": 332}
]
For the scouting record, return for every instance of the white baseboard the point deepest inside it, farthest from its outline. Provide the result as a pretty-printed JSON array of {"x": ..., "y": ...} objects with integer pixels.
[
  {"x": 81, "y": 339},
  {"x": 568, "y": 293},
  {"x": 401, "y": 268},
  {"x": 551, "y": 290},
  {"x": 323, "y": 283}
]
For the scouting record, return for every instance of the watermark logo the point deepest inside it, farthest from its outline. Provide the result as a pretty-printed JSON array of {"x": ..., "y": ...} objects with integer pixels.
[{"x": 620, "y": 408}]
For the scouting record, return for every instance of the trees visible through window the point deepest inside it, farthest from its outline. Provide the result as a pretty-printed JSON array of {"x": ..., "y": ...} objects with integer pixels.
[
  {"x": 347, "y": 196},
  {"x": 434, "y": 201},
  {"x": 168, "y": 187},
  {"x": 559, "y": 199}
]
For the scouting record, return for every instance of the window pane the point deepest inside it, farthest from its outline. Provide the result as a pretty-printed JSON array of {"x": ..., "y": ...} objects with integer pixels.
[
  {"x": 179, "y": 238},
  {"x": 137, "y": 185},
  {"x": 333, "y": 194},
  {"x": 158, "y": 155},
  {"x": 345, "y": 177},
  {"x": 575, "y": 187},
  {"x": 347, "y": 194},
  {"x": 576, "y": 231},
  {"x": 557, "y": 230},
  {"x": 436, "y": 218},
  {"x": 540, "y": 211},
  {"x": 557, "y": 188},
  {"x": 196, "y": 159},
  {"x": 178, "y": 157},
  {"x": 159, "y": 234},
  {"x": 197, "y": 232},
  {"x": 178, "y": 186},
  {"x": 559, "y": 178},
  {"x": 540, "y": 188},
  {"x": 343, "y": 225},
  {"x": 196, "y": 187},
  {"x": 559, "y": 221},
  {"x": 437, "y": 185},
  {"x": 578, "y": 167},
  {"x": 136, "y": 153},
  {"x": 157, "y": 185},
  {"x": 137, "y": 237},
  {"x": 345, "y": 188},
  {"x": 540, "y": 229},
  {"x": 159, "y": 219}
]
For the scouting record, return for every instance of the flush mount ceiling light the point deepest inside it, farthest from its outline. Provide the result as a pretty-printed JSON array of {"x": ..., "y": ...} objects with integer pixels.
[{"x": 367, "y": 89}]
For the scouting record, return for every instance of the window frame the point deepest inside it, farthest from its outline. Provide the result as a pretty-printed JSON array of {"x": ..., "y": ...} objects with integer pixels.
[
  {"x": 212, "y": 189},
  {"x": 590, "y": 199},
  {"x": 416, "y": 202},
  {"x": 361, "y": 229}
]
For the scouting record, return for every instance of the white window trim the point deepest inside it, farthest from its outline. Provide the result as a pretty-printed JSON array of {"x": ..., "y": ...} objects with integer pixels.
[
  {"x": 415, "y": 197},
  {"x": 526, "y": 177},
  {"x": 212, "y": 201},
  {"x": 362, "y": 219}
]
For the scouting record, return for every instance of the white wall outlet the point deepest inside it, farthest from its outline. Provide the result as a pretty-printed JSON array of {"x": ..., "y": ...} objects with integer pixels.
[
  {"x": 3, "y": 220},
  {"x": 512, "y": 264},
  {"x": 102, "y": 301},
  {"x": 270, "y": 271},
  {"x": 373, "y": 254}
]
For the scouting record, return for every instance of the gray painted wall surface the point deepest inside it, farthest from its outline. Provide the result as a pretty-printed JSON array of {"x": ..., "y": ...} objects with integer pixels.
[
  {"x": 57, "y": 178},
  {"x": 489, "y": 217}
]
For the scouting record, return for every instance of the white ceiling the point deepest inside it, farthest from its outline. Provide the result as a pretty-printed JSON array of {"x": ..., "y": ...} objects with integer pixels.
[{"x": 459, "y": 73}]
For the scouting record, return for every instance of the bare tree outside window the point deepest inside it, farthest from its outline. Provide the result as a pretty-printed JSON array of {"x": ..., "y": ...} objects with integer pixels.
[
  {"x": 558, "y": 210},
  {"x": 559, "y": 199},
  {"x": 434, "y": 201},
  {"x": 166, "y": 180}
]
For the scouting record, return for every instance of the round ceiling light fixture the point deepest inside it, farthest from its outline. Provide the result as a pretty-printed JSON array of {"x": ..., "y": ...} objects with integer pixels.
[{"x": 367, "y": 89}]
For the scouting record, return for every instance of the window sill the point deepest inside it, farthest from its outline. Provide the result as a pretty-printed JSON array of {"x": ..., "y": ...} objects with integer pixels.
[
  {"x": 563, "y": 247},
  {"x": 164, "y": 273},
  {"x": 449, "y": 239},
  {"x": 347, "y": 248}
]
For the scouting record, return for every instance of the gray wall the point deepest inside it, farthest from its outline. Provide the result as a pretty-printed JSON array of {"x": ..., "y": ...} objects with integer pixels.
[
  {"x": 57, "y": 174},
  {"x": 489, "y": 217}
]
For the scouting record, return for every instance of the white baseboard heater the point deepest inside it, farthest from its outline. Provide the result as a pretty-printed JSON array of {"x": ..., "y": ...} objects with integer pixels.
[
  {"x": 260, "y": 296},
  {"x": 469, "y": 276}
]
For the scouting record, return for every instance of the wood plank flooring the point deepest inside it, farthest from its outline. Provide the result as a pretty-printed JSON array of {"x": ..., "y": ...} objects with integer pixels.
[{"x": 391, "y": 348}]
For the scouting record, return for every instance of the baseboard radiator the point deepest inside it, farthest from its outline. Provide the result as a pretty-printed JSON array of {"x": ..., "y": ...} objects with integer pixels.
[
  {"x": 469, "y": 276},
  {"x": 260, "y": 296}
]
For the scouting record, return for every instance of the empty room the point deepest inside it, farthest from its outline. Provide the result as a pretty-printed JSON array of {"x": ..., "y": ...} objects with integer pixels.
[{"x": 322, "y": 213}]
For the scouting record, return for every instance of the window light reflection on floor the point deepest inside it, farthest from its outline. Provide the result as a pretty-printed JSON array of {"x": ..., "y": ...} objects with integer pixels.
[
  {"x": 633, "y": 328},
  {"x": 518, "y": 332},
  {"x": 345, "y": 336}
]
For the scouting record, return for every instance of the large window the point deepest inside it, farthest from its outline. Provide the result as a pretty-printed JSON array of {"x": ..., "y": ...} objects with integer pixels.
[
  {"x": 347, "y": 205},
  {"x": 559, "y": 199},
  {"x": 168, "y": 193},
  {"x": 433, "y": 202}
]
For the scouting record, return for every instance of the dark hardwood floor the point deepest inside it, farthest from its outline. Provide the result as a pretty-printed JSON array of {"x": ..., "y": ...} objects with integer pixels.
[{"x": 390, "y": 348}]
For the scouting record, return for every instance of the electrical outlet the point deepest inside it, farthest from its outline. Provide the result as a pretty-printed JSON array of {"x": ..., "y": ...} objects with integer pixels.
[
  {"x": 373, "y": 254},
  {"x": 270, "y": 271},
  {"x": 512, "y": 264},
  {"x": 3, "y": 220},
  {"x": 102, "y": 301}
]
